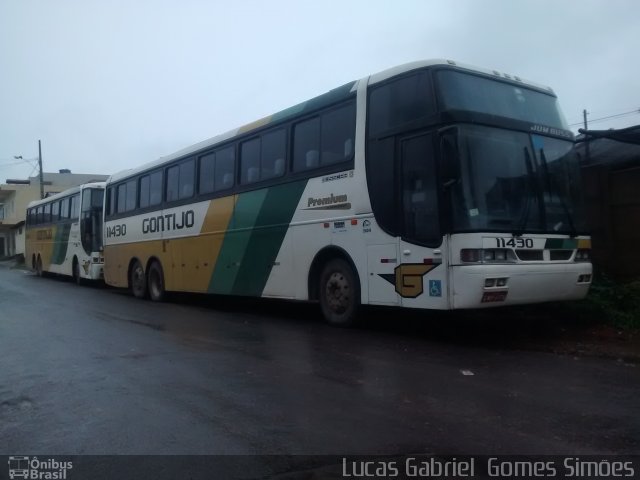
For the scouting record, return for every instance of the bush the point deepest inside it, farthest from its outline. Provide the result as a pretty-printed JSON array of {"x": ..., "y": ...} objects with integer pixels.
[{"x": 616, "y": 303}]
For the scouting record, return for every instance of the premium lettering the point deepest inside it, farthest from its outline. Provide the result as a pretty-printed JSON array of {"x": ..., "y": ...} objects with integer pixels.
[{"x": 332, "y": 200}]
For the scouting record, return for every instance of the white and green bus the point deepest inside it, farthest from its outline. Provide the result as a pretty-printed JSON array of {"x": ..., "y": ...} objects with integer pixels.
[
  {"x": 64, "y": 233},
  {"x": 432, "y": 185}
]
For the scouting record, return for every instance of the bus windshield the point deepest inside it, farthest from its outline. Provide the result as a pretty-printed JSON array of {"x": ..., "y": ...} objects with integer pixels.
[
  {"x": 515, "y": 182},
  {"x": 91, "y": 221},
  {"x": 461, "y": 91}
]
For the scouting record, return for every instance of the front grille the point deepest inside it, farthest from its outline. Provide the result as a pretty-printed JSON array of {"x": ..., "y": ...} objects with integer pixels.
[
  {"x": 529, "y": 255},
  {"x": 560, "y": 254}
]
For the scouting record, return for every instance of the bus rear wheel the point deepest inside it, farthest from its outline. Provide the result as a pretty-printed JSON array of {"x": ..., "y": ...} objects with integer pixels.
[
  {"x": 138, "y": 280},
  {"x": 156, "y": 282},
  {"x": 39, "y": 270},
  {"x": 339, "y": 293}
]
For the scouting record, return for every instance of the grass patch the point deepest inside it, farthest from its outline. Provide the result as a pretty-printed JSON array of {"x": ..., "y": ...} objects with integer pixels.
[{"x": 613, "y": 302}]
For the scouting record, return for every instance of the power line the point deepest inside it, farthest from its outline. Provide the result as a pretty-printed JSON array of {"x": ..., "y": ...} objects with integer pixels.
[
  {"x": 12, "y": 164},
  {"x": 617, "y": 115},
  {"x": 28, "y": 161}
]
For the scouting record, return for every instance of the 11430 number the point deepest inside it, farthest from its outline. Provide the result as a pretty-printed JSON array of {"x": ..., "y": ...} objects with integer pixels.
[{"x": 514, "y": 242}]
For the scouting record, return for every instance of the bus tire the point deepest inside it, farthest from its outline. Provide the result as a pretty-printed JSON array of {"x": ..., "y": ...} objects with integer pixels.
[
  {"x": 155, "y": 281},
  {"x": 138, "y": 280},
  {"x": 76, "y": 272},
  {"x": 339, "y": 293},
  {"x": 39, "y": 270}
]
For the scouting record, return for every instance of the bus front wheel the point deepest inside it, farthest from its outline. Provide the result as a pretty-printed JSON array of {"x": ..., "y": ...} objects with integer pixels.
[
  {"x": 339, "y": 293},
  {"x": 138, "y": 280},
  {"x": 76, "y": 272},
  {"x": 156, "y": 282}
]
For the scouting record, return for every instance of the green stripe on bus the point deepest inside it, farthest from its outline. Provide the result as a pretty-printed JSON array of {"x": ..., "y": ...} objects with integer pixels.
[
  {"x": 561, "y": 243},
  {"x": 267, "y": 236},
  {"x": 61, "y": 242},
  {"x": 235, "y": 242}
]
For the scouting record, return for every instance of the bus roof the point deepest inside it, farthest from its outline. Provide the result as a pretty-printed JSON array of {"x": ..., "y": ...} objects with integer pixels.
[
  {"x": 326, "y": 99},
  {"x": 407, "y": 67},
  {"x": 66, "y": 193}
]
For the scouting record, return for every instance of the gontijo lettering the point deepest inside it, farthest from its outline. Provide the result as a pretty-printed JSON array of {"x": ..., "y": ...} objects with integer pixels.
[{"x": 168, "y": 222}]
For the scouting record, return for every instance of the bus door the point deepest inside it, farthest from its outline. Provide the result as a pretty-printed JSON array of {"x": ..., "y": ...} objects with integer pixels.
[
  {"x": 91, "y": 220},
  {"x": 421, "y": 276}
]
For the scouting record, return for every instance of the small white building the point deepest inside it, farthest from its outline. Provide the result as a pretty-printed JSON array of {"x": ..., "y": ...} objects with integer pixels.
[{"x": 15, "y": 195}]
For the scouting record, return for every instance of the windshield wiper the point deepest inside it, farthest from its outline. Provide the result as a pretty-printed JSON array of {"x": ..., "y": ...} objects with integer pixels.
[
  {"x": 524, "y": 218},
  {"x": 550, "y": 181}
]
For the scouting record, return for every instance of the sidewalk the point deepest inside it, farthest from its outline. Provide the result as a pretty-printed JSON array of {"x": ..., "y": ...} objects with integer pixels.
[{"x": 12, "y": 262}]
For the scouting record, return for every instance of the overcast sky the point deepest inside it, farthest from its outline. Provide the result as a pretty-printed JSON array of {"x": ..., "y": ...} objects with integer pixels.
[{"x": 108, "y": 85}]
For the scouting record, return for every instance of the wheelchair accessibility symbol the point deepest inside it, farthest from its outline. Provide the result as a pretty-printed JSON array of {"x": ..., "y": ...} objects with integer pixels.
[{"x": 435, "y": 288}]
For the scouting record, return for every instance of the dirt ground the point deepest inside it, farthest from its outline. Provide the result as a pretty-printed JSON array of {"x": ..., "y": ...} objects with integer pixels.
[
  {"x": 558, "y": 328},
  {"x": 555, "y": 328}
]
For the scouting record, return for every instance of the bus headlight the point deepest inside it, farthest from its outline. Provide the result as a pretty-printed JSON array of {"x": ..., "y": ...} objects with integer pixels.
[
  {"x": 490, "y": 255},
  {"x": 501, "y": 255},
  {"x": 470, "y": 255},
  {"x": 583, "y": 255}
]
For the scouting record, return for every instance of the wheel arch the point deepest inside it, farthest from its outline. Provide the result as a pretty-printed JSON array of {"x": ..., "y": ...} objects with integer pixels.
[
  {"x": 324, "y": 256},
  {"x": 161, "y": 295},
  {"x": 132, "y": 262},
  {"x": 152, "y": 259}
]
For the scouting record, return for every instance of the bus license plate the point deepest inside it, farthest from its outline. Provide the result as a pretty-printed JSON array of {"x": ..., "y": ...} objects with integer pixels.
[{"x": 494, "y": 297}]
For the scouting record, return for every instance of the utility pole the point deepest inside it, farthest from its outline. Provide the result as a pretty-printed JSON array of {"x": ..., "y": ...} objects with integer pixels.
[
  {"x": 40, "y": 165},
  {"x": 586, "y": 137}
]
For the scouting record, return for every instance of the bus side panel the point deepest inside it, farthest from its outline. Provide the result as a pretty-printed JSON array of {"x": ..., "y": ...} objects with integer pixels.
[
  {"x": 127, "y": 239},
  {"x": 234, "y": 246},
  {"x": 325, "y": 217},
  {"x": 61, "y": 240},
  {"x": 30, "y": 247},
  {"x": 194, "y": 257},
  {"x": 51, "y": 243},
  {"x": 118, "y": 257},
  {"x": 256, "y": 233}
]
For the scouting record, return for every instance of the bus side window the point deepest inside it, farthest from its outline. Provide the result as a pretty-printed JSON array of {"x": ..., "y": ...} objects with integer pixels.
[
  {"x": 55, "y": 212},
  {"x": 306, "y": 145},
  {"x": 250, "y": 161},
  {"x": 121, "y": 204},
  {"x": 155, "y": 188},
  {"x": 272, "y": 155},
  {"x": 206, "y": 167},
  {"x": 399, "y": 102},
  {"x": 111, "y": 202},
  {"x": 131, "y": 195},
  {"x": 338, "y": 131},
  {"x": 173, "y": 183},
  {"x": 47, "y": 213},
  {"x": 187, "y": 178},
  {"x": 145, "y": 190},
  {"x": 224, "y": 168},
  {"x": 64, "y": 208},
  {"x": 75, "y": 207}
]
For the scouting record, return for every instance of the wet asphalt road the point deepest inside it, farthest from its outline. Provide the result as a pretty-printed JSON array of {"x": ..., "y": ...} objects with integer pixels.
[{"x": 86, "y": 370}]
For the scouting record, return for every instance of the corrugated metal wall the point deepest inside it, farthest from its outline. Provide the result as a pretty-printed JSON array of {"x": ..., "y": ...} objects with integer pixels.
[{"x": 612, "y": 196}]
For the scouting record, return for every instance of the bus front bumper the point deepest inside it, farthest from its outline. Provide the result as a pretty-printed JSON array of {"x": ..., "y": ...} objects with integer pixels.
[{"x": 482, "y": 286}]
